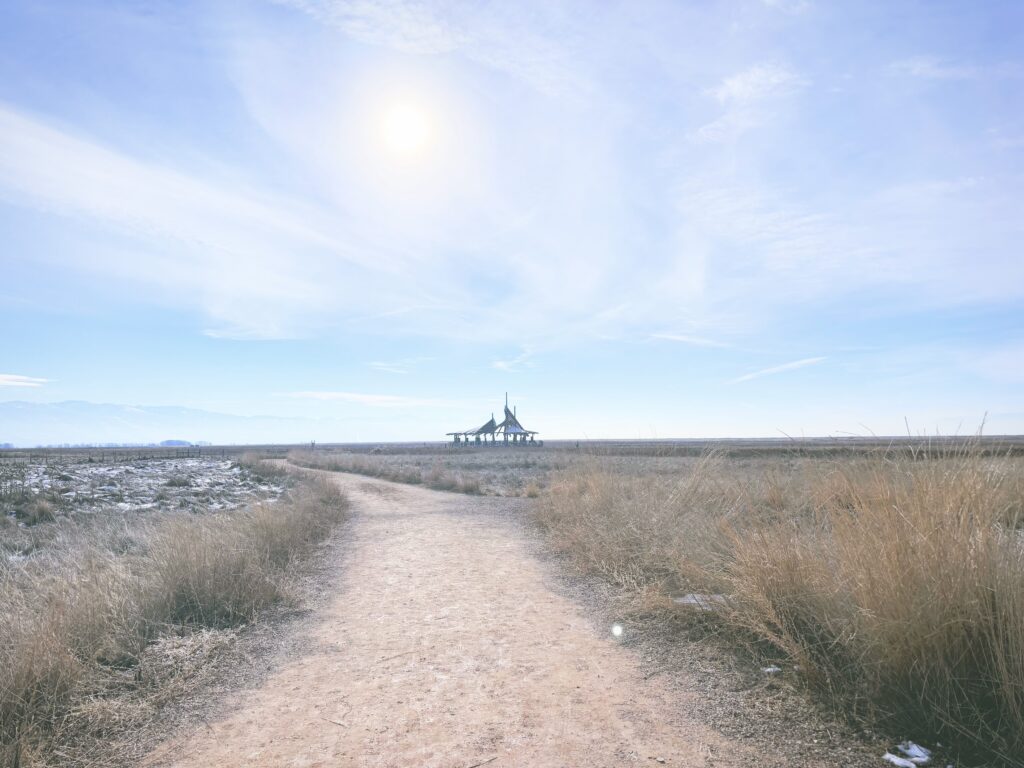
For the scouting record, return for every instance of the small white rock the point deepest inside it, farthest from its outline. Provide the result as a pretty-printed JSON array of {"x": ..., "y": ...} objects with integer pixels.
[{"x": 899, "y": 762}]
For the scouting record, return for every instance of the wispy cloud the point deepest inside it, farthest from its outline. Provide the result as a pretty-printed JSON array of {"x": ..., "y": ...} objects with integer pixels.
[
  {"x": 763, "y": 223},
  {"x": 746, "y": 96},
  {"x": 412, "y": 27},
  {"x": 390, "y": 367},
  {"x": 493, "y": 35},
  {"x": 248, "y": 331},
  {"x": 934, "y": 68},
  {"x": 14, "y": 380},
  {"x": 516, "y": 363},
  {"x": 694, "y": 341},
  {"x": 578, "y": 224},
  {"x": 372, "y": 400},
  {"x": 209, "y": 242},
  {"x": 920, "y": 234},
  {"x": 1001, "y": 138},
  {"x": 402, "y": 366},
  {"x": 789, "y": 6},
  {"x": 759, "y": 82},
  {"x": 796, "y": 364},
  {"x": 726, "y": 128}
]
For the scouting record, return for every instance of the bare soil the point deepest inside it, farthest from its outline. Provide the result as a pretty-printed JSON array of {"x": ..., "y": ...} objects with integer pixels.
[{"x": 449, "y": 642}]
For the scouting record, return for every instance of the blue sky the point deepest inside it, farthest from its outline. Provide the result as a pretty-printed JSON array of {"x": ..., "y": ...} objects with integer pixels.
[{"x": 680, "y": 219}]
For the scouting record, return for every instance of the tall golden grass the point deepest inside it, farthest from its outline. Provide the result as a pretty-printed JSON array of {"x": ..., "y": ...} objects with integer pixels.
[
  {"x": 98, "y": 597},
  {"x": 644, "y": 530},
  {"x": 895, "y": 582}
]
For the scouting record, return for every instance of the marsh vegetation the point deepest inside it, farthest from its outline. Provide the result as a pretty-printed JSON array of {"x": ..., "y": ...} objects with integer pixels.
[
  {"x": 113, "y": 614},
  {"x": 889, "y": 580}
]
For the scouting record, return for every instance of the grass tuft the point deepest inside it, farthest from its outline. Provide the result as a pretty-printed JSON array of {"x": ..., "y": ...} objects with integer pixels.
[
  {"x": 96, "y": 602},
  {"x": 438, "y": 477},
  {"x": 895, "y": 582}
]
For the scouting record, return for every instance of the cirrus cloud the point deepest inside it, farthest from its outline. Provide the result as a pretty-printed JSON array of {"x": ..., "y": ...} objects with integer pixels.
[
  {"x": 15, "y": 380},
  {"x": 796, "y": 364},
  {"x": 372, "y": 400}
]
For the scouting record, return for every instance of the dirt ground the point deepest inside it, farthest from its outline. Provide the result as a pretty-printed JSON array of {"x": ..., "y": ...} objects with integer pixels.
[{"x": 445, "y": 645}]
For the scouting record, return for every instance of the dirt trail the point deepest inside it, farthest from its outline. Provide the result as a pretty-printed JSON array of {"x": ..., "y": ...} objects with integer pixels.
[{"x": 444, "y": 647}]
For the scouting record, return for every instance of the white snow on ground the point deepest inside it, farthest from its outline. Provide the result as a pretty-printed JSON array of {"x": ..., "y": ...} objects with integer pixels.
[{"x": 157, "y": 484}]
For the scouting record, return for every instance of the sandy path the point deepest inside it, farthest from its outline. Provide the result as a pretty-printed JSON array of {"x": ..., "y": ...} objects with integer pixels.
[{"x": 444, "y": 647}]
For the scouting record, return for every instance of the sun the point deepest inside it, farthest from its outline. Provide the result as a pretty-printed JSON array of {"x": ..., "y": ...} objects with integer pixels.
[{"x": 406, "y": 129}]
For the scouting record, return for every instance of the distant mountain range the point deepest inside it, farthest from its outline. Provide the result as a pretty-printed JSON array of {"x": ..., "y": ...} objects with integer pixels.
[{"x": 76, "y": 422}]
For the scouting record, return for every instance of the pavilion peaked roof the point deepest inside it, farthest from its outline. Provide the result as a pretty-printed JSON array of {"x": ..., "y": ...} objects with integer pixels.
[
  {"x": 511, "y": 425},
  {"x": 486, "y": 429}
]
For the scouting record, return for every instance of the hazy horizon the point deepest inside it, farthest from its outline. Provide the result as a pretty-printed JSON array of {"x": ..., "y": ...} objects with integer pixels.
[
  {"x": 368, "y": 221},
  {"x": 81, "y": 424}
]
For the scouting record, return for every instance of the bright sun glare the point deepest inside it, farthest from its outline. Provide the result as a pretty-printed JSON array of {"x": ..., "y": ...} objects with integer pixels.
[{"x": 406, "y": 129}]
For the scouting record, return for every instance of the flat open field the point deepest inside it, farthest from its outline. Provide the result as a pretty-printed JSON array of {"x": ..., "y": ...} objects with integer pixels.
[
  {"x": 501, "y": 470},
  {"x": 618, "y": 603},
  {"x": 889, "y": 573}
]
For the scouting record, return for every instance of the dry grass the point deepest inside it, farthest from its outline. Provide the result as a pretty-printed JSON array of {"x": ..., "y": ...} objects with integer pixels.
[
  {"x": 35, "y": 510},
  {"x": 644, "y": 531},
  {"x": 436, "y": 476},
  {"x": 895, "y": 582},
  {"x": 263, "y": 467},
  {"x": 88, "y": 610}
]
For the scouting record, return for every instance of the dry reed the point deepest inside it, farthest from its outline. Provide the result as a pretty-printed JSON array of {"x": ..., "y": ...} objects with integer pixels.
[
  {"x": 437, "y": 477},
  {"x": 895, "y": 582},
  {"x": 97, "y": 598}
]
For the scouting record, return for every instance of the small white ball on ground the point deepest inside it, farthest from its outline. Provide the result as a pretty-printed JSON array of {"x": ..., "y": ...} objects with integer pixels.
[{"x": 617, "y": 630}]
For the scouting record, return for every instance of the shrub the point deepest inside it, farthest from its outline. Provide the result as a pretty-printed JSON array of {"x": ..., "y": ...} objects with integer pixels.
[
  {"x": 895, "y": 581},
  {"x": 34, "y": 510},
  {"x": 437, "y": 476},
  {"x": 668, "y": 531},
  {"x": 263, "y": 467},
  {"x": 903, "y": 596},
  {"x": 97, "y": 601}
]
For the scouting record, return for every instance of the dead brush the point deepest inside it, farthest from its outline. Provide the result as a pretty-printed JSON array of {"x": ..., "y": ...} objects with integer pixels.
[
  {"x": 895, "y": 580},
  {"x": 314, "y": 509},
  {"x": 903, "y": 597},
  {"x": 208, "y": 574},
  {"x": 439, "y": 479},
  {"x": 33, "y": 510},
  {"x": 261, "y": 466},
  {"x": 437, "y": 476},
  {"x": 774, "y": 492},
  {"x": 95, "y": 601},
  {"x": 638, "y": 531}
]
